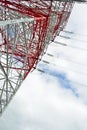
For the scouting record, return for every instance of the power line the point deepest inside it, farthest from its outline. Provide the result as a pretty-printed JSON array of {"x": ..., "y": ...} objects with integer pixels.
[
  {"x": 71, "y": 32},
  {"x": 71, "y": 46},
  {"x": 45, "y": 72},
  {"x": 62, "y": 67},
  {"x": 65, "y": 45},
  {"x": 71, "y": 38},
  {"x": 67, "y": 59}
]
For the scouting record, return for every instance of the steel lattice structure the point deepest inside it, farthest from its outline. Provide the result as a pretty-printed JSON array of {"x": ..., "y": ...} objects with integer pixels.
[{"x": 26, "y": 28}]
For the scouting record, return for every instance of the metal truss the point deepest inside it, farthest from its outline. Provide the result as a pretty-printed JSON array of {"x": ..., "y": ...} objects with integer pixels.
[{"x": 26, "y": 29}]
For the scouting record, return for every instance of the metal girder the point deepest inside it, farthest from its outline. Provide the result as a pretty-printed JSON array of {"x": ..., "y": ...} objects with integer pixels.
[
  {"x": 15, "y": 21},
  {"x": 26, "y": 29}
]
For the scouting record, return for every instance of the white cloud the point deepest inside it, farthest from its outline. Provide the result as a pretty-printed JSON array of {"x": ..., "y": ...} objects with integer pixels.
[
  {"x": 42, "y": 103},
  {"x": 44, "y": 106}
]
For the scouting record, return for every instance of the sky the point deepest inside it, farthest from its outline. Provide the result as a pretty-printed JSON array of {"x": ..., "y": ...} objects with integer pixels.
[{"x": 57, "y": 98}]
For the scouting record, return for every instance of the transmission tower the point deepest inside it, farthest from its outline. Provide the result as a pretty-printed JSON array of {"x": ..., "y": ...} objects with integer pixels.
[{"x": 26, "y": 28}]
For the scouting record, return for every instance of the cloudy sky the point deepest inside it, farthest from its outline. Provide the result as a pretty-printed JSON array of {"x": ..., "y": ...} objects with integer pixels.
[{"x": 57, "y": 99}]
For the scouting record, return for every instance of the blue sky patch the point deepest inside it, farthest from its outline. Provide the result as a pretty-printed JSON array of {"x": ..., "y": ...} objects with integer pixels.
[{"x": 61, "y": 77}]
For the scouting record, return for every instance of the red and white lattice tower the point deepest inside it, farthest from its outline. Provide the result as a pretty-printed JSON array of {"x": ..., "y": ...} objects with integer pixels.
[{"x": 26, "y": 28}]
